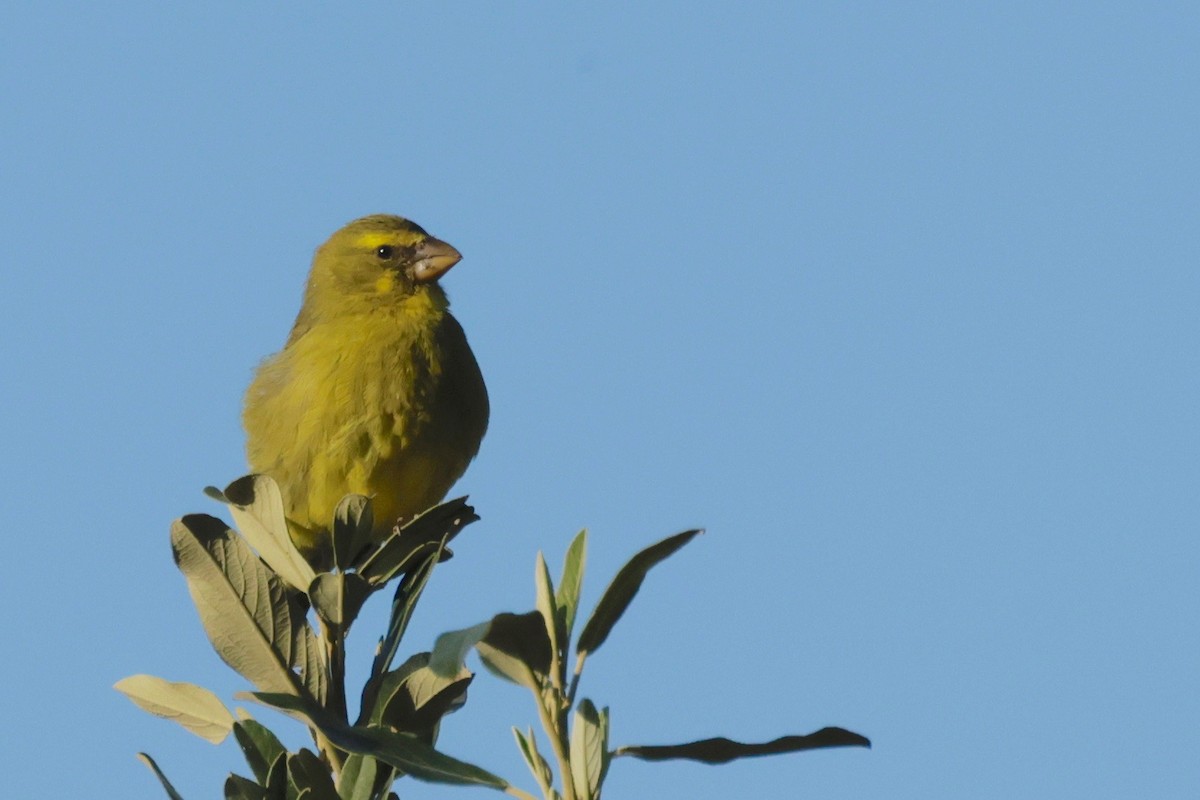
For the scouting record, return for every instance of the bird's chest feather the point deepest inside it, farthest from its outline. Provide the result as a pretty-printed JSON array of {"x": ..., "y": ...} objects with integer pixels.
[{"x": 375, "y": 377}]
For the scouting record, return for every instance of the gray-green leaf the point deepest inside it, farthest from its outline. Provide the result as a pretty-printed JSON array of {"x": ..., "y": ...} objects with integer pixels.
[
  {"x": 547, "y": 606},
  {"x": 720, "y": 750},
  {"x": 353, "y": 523},
  {"x": 404, "y": 752},
  {"x": 166, "y": 784},
  {"x": 538, "y": 766},
  {"x": 517, "y": 647},
  {"x": 244, "y": 607},
  {"x": 257, "y": 507},
  {"x": 259, "y": 746},
  {"x": 308, "y": 777},
  {"x": 571, "y": 582},
  {"x": 589, "y": 749},
  {"x": 451, "y": 648},
  {"x": 192, "y": 706},
  {"x": 338, "y": 597},
  {"x": 239, "y": 788},
  {"x": 404, "y": 550},
  {"x": 356, "y": 781},
  {"x": 624, "y": 586}
]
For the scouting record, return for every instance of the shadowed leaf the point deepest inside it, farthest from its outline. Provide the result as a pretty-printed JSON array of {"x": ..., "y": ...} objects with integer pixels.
[
  {"x": 239, "y": 788},
  {"x": 625, "y": 585},
  {"x": 451, "y": 648},
  {"x": 166, "y": 784},
  {"x": 338, "y": 597},
  {"x": 405, "y": 550},
  {"x": 404, "y": 752},
  {"x": 259, "y": 746},
  {"x": 414, "y": 698},
  {"x": 517, "y": 647},
  {"x": 192, "y": 706},
  {"x": 720, "y": 750},
  {"x": 307, "y": 774},
  {"x": 353, "y": 522}
]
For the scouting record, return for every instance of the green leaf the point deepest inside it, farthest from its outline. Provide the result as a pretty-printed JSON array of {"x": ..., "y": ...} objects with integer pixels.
[
  {"x": 166, "y": 784},
  {"x": 259, "y": 746},
  {"x": 244, "y": 607},
  {"x": 589, "y": 749},
  {"x": 517, "y": 647},
  {"x": 451, "y": 648},
  {"x": 402, "y": 751},
  {"x": 309, "y": 655},
  {"x": 308, "y": 777},
  {"x": 403, "y": 551},
  {"x": 192, "y": 706},
  {"x": 547, "y": 606},
  {"x": 571, "y": 582},
  {"x": 414, "y": 698},
  {"x": 257, "y": 508},
  {"x": 338, "y": 597},
  {"x": 720, "y": 750},
  {"x": 277, "y": 779},
  {"x": 625, "y": 585},
  {"x": 353, "y": 524},
  {"x": 538, "y": 766},
  {"x": 239, "y": 788},
  {"x": 357, "y": 778},
  {"x": 404, "y": 603}
]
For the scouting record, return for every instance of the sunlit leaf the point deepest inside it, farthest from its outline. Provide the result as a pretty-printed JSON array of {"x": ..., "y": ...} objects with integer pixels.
[
  {"x": 257, "y": 508},
  {"x": 624, "y": 586},
  {"x": 571, "y": 583},
  {"x": 244, "y": 607},
  {"x": 192, "y": 706},
  {"x": 356, "y": 781},
  {"x": 547, "y": 606},
  {"x": 589, "y": 750},
  {"x": 538, "y": 766},
  {"x": 719, "y": 750}
]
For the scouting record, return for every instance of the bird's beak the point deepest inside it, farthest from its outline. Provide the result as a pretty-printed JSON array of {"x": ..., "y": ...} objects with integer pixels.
[{"x": 434, "y": 258}]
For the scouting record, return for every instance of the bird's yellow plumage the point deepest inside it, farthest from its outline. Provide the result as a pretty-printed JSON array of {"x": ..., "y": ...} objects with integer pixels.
[{"x": 376, "y": 391}]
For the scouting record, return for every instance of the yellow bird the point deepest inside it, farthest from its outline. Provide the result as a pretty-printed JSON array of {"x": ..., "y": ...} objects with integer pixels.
[{"x": 376, "y": 391}]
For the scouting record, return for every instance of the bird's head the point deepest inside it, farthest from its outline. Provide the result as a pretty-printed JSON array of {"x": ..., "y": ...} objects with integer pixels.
[{"x": 379, "y": 258}]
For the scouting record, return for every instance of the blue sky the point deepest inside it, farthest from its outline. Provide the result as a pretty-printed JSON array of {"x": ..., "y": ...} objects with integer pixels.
[{"x": 898, "y": 301}]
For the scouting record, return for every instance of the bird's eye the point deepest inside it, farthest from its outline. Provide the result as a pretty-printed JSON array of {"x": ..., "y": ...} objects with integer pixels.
[{"x": 385, "y": 251}]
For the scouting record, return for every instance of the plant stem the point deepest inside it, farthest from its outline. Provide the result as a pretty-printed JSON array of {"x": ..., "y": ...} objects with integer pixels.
[
  {"x": 579, "y": 659},
  {"x": 521, "y": 793},
  {"x": 557, "y": 734},
  {"x": 335, "y": 655}
]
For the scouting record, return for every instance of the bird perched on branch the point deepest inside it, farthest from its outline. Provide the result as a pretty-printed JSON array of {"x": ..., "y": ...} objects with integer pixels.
[{"x": 376, "y": 391}]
